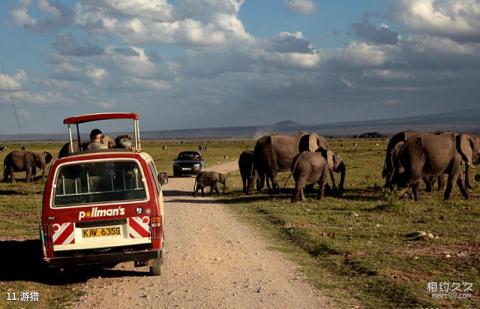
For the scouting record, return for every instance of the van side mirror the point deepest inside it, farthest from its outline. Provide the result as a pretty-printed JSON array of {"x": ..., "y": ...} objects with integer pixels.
[{"x": 162, "y": 178}]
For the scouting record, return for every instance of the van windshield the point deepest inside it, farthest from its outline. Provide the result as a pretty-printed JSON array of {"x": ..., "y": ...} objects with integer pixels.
[{"x": 98, "y": 182}]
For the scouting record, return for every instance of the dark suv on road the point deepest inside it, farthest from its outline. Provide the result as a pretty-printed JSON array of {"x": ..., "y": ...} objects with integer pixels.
[{"x": 188, "y": 163}]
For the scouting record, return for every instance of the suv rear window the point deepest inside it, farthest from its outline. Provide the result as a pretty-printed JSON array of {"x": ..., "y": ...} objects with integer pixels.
[{"x": 98, "y": 182}]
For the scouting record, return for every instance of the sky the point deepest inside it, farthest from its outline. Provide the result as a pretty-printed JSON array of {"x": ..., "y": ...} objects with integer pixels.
[{"x": 213, "y": 63}]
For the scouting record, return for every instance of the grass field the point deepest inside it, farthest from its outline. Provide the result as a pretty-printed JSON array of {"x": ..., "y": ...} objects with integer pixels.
[
  {"x": 356, "y": 248},
  {"x": 359, "y": 248}
]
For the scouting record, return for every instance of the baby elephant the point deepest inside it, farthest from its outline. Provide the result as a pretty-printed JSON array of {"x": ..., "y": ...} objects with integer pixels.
[
  {"x": 205, "y": 179},
  {"x": 309, "y": 168}
]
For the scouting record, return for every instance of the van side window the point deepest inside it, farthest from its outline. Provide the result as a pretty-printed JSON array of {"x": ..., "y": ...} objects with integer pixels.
[{"x": 151, "y": 165}]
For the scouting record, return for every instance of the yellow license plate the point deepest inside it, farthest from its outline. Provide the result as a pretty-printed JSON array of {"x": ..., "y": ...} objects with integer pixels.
[{"x": 104, "y": 231}]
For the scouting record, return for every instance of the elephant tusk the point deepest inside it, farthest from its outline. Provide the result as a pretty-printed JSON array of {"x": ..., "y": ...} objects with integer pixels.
[{"x": 470, "y": 164}]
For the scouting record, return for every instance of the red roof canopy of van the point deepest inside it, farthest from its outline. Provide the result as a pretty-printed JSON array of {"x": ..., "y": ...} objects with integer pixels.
[{"x": 100, "y": 116}]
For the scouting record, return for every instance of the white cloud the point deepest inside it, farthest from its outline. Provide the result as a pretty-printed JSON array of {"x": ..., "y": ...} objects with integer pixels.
[
  {"x": 96, "y": 75},
  {"x": 458, "y": 19},
  {"x": 440, "y": 45},
  {"x": 388, "y": 74},
  {"x": 49, "y": 9},
  {"x": 306, "y": 7},
  {"x": 190, "y": 26},
  {"x": 361, "y": 54},
  {"x": 54, "y": 16},
  {"x": 20, "y": 15},
  {"x": 107, "y": 104},
  {"x": 14, "y": 82}
]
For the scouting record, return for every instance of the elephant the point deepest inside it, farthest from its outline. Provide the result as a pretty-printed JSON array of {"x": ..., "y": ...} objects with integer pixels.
[
  {"x": 3, "y": 148},
  {"x": 388, "y": 167},
  {"x": 275, "y": 153},
  {"x": 65, "y": 150},
  {"x": 25, "y": 161},
  {"x": 245, "y": 165},
  {"x": 434, "y": 155},
  {"x": 335, "y": 164},
  {"x": 123, "y": 141},
  {"x": 309, "y": 168},
  {"x": 205, "y": 179}
]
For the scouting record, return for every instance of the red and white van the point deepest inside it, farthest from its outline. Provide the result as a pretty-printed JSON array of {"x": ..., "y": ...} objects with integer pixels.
[{"x": 103, "y": 206}]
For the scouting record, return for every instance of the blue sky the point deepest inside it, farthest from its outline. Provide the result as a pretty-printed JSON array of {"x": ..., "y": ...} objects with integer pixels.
[{"x": 210, "y": 63}]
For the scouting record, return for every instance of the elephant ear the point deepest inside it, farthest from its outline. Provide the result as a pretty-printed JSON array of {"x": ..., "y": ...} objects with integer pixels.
[
  {"x": 466, "y": 147},
  {"x": 316, "y": 141},
  {"x": 47, "y": 156}
]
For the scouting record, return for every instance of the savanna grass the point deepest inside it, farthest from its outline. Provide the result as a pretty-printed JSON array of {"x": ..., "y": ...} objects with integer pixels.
[{"x": 357, "y": 247}]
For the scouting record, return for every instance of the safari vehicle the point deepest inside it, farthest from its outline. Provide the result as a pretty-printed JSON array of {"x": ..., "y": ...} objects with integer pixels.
[
  {"x": 103, "y": 206},
  {"x": 188, "y": 163}
]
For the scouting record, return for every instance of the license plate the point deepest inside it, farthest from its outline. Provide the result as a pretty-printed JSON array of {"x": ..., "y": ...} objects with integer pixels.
[
  {"x": 103, "y": 231},
  {"x": 186, "y": 168}
]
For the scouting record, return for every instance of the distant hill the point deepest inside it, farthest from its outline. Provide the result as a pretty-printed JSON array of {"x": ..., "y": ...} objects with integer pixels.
[
  {"x": 286, "y": 123},
  {"x": 458, "y": 121}
]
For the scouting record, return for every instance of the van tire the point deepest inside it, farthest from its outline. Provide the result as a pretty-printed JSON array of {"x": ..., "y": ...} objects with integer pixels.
[{"x": 157, "y": 269}]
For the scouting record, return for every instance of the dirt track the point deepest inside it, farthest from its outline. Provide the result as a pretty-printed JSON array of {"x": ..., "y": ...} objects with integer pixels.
[{"x": 212, "y": 262}]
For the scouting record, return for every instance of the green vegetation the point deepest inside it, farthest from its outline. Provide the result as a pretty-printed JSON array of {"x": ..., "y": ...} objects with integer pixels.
[{"x": 357, "y": 248}]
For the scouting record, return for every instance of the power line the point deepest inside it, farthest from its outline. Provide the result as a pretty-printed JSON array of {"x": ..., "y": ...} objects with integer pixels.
[{"x": 11, "y": 101}]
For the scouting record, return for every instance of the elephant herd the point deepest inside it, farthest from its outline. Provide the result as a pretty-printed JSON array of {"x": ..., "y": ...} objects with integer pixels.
[
  {"x": 307, "y": 155},
  {"x": 414, "y": 156},
  {"x": 28, "y": 161},
  {"x": 411, "y": 157}
]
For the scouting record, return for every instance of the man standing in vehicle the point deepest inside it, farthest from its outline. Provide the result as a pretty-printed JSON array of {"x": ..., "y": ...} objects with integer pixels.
[{"x": 96, "y": 140}]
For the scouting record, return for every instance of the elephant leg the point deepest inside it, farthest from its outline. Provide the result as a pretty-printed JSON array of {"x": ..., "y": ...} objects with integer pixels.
[
  {"x": 462, "y": 185},
  {"x": 275, "y": 186},
  {"x": 269, "y": 184},
  {"x": 203, "y": 191},
  {"x": 244, "y": 183},
  {"x": 402, "y": 192},
  {"x": 29, "y": 175},
  {"x": 440, "y": 183},
  {"x": 416, "y": 191},
  {"x": 332, "y": 178},
  {"x": 298, "y": 192},
  {"x": 468, "y": 185},
  {"x": 320, "y": 190},
  {"x": 216, "y": 189},
  {"x": 253, "y": 179},
  {"x": 429, "y": 183},
  {"x": 260, "y": 183},
  {"x": 452, "y": 178}
]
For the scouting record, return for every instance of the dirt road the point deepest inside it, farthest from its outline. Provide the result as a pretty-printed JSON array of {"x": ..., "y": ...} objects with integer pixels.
[{"x": 212, "y": 262}]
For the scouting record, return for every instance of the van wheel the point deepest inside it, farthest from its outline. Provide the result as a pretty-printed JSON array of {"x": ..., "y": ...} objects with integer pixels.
[{"x": 157, "y": 269}]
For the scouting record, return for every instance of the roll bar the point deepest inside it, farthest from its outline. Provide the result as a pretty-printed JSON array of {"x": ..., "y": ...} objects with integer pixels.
[{"x": 76, "y": 120}]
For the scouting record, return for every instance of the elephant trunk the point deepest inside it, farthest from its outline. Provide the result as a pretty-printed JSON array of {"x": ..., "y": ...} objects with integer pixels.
[{"x": 343, "y": 171}]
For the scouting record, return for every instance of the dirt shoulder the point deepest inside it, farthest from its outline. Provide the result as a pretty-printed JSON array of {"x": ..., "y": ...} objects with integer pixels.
[{"x": 212, "y": 261}]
